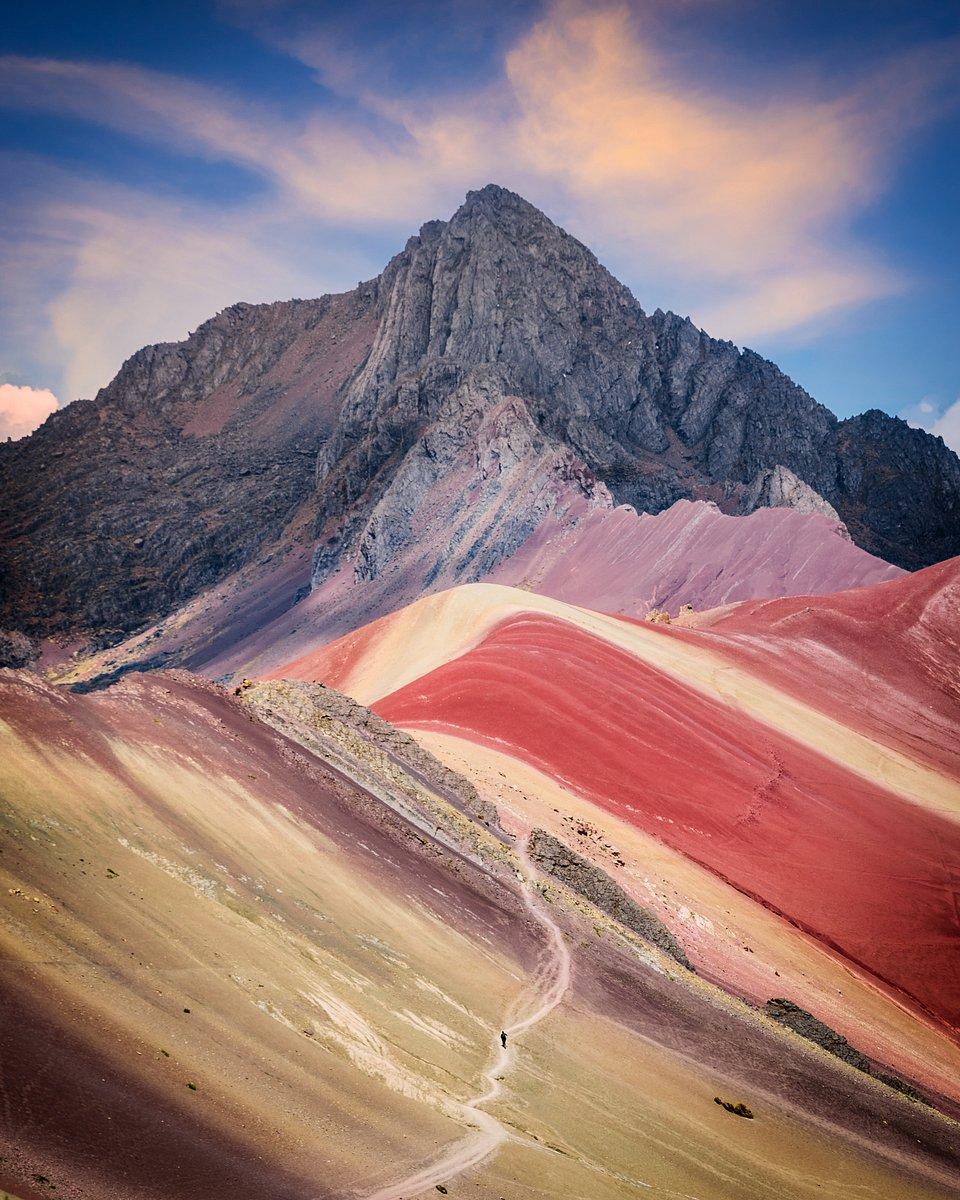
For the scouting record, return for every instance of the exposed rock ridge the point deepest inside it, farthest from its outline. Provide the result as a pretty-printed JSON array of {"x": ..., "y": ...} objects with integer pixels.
[
  {"x": 194, "y": 461},
  {"x": 363, "y": 734},
  {"x": 502, "y": 300},
  {"x": 785, "y": 1012},
  {"x": 778, "y": 487},
  {"x": 16, "y": 650},
  {"x": 189, "y": 464},
  {"x": 587, "y": 880}
]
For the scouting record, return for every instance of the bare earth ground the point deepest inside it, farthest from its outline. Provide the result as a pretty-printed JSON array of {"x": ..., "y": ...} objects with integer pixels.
[{"x": 189, "y": 898}]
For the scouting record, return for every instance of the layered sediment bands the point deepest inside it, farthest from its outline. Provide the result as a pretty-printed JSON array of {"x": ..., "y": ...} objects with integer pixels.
[
  {"x": 421, "y": 429},
  {"x": 807, "y": 1025},
  {"x": 846, "y": 859},
  {"x": 533, "y": 520},
  {"x": 583, "y": 877},
  {"x": 616, "y": 561},
  {"x": 227, "y": 964},
  {"x": 842, "y": 825},
  {"x": 881, "y": 660}
]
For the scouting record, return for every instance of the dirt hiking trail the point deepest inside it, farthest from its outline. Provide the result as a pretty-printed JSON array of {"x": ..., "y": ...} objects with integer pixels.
[{"x": 543, "y": 992}]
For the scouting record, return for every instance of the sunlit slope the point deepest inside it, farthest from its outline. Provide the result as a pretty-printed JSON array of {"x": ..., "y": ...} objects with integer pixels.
[
  {"x": 229, "y": 970},
  {"x": 220, "y": 976},
  {"x": 842, "y": 833},
  {"x": 884, "y": 660}
]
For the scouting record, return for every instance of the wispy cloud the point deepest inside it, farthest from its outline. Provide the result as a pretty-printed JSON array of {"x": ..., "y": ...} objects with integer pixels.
[
  {"x": 22, "y": 409},
  {"x": 939, "y": 419},
  {"x": 744, "y": 203},
  {"x": 947, "y": 426}
]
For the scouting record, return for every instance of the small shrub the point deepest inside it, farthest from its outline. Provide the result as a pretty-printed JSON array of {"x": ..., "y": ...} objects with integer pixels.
[{"x": 738, "y": 1110}]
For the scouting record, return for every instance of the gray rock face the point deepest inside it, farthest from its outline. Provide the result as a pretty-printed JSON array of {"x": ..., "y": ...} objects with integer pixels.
[
  {"x": 494, "y": 351},
  {"x": 785, "y": 1012},
  {"x": 17, "y": 650},
  {"x": 582, "y": 877},
  {"x": 188, "y": 465},
  {"x": 500, "y": 299},
  {"x": 780, "y": 488},
  {"x": 900, "y": 490}
]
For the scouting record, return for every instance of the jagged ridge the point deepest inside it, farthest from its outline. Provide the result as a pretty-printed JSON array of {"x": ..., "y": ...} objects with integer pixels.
[{"x": 199, "y": 457}]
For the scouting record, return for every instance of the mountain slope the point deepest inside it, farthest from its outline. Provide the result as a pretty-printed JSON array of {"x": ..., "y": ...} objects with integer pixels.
[
  {"x": 568, "y": 541},
  {"x": 192, "y": 462},
  {"x": 251, "y": 949},
  {"x": 198, "y": 460},
  {"x": 818, "y": 799}
]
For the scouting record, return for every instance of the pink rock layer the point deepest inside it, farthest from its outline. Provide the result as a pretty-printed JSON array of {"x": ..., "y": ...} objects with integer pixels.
[{"x": 617, "y": 561}]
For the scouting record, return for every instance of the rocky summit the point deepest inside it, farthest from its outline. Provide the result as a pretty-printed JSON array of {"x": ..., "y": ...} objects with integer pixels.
[
  {"x": 495, "y": 351},
  {"x": 467, "y": 736}
]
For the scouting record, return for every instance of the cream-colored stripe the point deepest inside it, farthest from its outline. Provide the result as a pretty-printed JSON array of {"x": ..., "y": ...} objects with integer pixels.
[{"x": 439, "y": 628}]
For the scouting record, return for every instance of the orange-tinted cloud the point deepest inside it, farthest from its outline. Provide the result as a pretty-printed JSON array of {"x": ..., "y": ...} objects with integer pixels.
[
  {"x": 736, "y": 204},
  {"x": 22, "y": 409}
]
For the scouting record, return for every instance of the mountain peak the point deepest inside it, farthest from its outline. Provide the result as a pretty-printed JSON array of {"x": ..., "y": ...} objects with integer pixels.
[
  {"x": 513, "y": 215},
  {"x": 492, "y": 195},
  {"x": 210, "y": 441}
]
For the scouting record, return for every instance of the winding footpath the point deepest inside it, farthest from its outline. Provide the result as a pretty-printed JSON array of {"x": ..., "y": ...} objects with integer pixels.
[{"x": 538, "y": 999}]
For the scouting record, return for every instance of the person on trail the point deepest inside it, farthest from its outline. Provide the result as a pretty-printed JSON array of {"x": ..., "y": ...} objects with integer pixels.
[{"x": 503, "y": 1038}]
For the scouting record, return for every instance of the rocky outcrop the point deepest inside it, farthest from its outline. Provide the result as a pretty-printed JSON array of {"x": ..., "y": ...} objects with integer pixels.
[
  {"x": 17, "y": 650},
  {"x": 587, "y": 880},
  {"x": 785, "y": 1012},
  {"x": 780, "y": 488},
  {"x": 494, "y": 372},
  {"x": 500, "y": 300},
  {"x": 191, "y": 463},
  {"x": 360, "y": 731},
  {"x": 900, "y": 490},
  {"x": 800, "y": 1021}
]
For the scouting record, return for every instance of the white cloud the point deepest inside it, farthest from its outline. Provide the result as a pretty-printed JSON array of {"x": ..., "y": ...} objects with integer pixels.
[
  {"x": 22, "y": 409},
  {"x": 947, "y": 426},
  {"x": 927, "y": 414},
  {"x": 147, "y": 272},
  {"x": 918, "y": 415}
]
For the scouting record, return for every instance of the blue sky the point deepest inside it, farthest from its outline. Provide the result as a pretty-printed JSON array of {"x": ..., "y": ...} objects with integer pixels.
[{"x": 786, "y": 173}]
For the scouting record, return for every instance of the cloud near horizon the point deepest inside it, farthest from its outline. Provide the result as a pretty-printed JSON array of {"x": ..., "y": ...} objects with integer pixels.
[
  {"x": 947, "y": 426},
  {"x": 744, "y": 203},
  {"x": 930, "y": 414},
  {"x": 22, "y": 409}
]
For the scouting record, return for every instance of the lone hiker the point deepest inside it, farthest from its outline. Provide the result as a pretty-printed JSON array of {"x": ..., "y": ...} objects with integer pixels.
[{"x": 503, "y": 1038}]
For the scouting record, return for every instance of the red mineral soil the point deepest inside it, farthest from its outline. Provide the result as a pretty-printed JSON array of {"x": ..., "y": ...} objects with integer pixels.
[
  {"x": 847, "y": 840},
  {"x": 884, "y": 660},
  {"x": 230, "y": 968},
  {"x": 854, "y": 865},
  {"x": 584, "y": 551}
]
